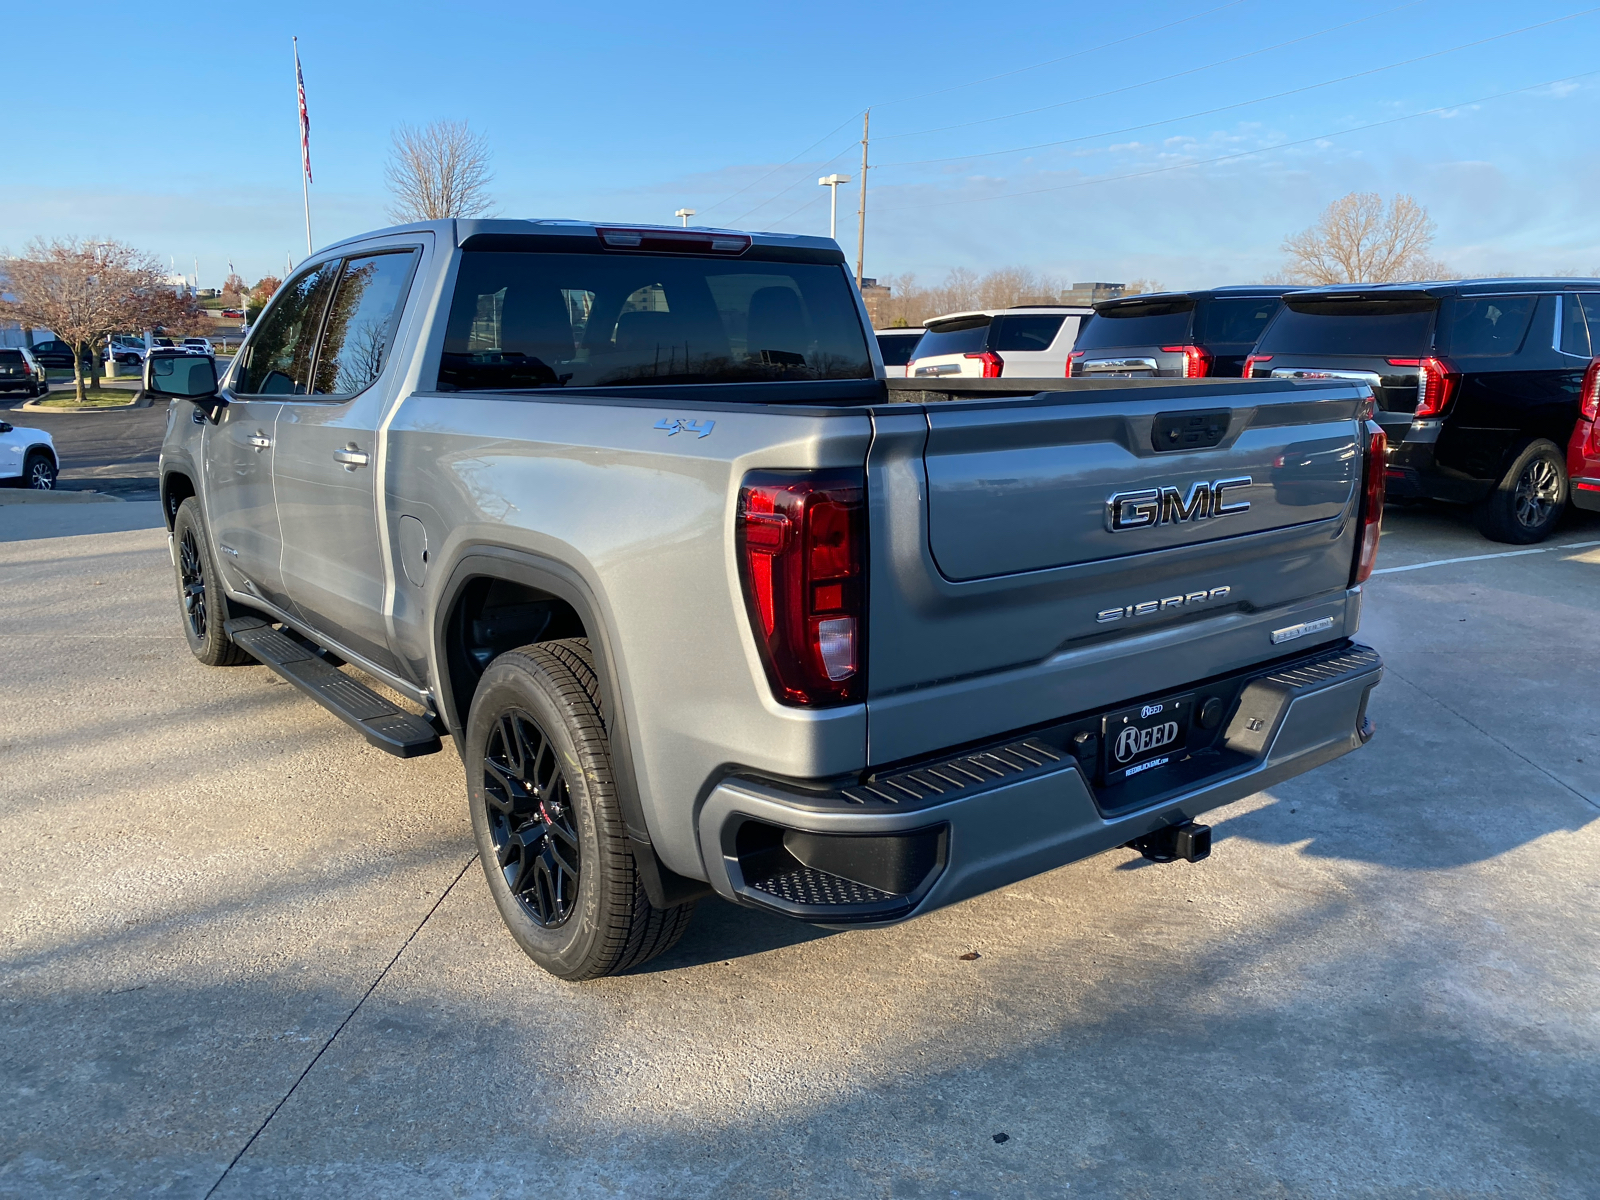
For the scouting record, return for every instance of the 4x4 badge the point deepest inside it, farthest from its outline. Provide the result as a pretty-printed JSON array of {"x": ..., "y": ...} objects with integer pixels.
[{"x": 682, "y": 425}]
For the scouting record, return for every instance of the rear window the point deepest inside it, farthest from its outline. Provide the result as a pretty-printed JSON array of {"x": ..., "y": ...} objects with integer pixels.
[
  {"x": 11, "y": 357},
  {"x": 1161, "y": 323},
  {"x": 964, "y": 337},
  {"x": 1026, "y": 332},
  {"x": 1236, "y": 322},
  {"x": 1486, "y": 326},
  {"x": 533, "y": 320},
  {"x": 896, "y": 348},
  {"x": 1399, "y": 328}
]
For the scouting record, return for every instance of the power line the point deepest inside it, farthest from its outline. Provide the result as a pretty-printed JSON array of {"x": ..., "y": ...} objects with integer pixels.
[
  {"x": 850, "y": 120},
  {"x": 1201, "y": 162},
  {"x": 1242, "y": 103},
  {"x": 1221, "y": 62}
]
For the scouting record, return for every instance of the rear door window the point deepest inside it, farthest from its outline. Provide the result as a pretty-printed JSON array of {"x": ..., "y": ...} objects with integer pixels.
[
  {"x": 968, "y": 337},
  {"x": 360, "y": 328},
  {"x": 1487, "y": 326},
  {"x": 1590, "y": 302},
  {"x": 896, "y": 348},
  {"x": 278, "y": 361},
  {"x": 1573, "y": 336},
  {"x": 1160, "y": 323},
  {"x": 1398, "y": 328},
  {"x": 547, "y": 320},
  {"x": 1026, "y": 331},
  {"x": 1235, "y": 322}
]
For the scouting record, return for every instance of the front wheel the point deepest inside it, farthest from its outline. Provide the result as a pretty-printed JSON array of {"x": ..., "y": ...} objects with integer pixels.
[
  {"x": 1529, "y": 499},
  {"x": 39, "y": 472},
  {"x": 201, "y": 603},
  {"x": 547, "y": 820}
]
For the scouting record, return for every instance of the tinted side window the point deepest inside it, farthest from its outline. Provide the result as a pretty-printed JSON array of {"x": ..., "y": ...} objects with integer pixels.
[
  {"x": 963, "y": 339},
  {"x": 1235, "y": 322},
  {"x": 1025, "y": 332},
  {"x": 360, "y": 329},
  {"x": 279, "y": 362},
  {"x": 1162, "y": 323},
  {"x": 1488, "y": 326},
  {"x": 1573, "y": 336},
  {"x": 896, "y": 348}
]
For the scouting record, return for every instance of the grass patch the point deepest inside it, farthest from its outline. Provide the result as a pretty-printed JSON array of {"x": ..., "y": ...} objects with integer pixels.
[{"x": 92, "y": 397}]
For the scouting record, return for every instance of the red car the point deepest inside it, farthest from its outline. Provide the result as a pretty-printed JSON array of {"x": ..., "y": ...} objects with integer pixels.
[
  {"x": 1583, "y": 451},
  {"x": 233, "y": 312}
]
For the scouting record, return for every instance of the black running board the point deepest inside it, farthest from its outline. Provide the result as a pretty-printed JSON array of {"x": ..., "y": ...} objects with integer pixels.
[{"x": 403, "y": 734}]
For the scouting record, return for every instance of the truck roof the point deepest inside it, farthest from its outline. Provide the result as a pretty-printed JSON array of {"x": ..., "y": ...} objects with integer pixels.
[{"x": 486, "y": 232}]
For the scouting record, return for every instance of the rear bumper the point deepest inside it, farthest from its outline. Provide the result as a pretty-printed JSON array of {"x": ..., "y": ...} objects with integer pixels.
[
  {"x": 915, "y": 839},
  {"x": 1413, "y": 472}
]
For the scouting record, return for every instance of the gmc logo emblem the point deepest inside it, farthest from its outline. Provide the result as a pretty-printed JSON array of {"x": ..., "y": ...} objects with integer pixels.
[{"x": 1167, "y": 506}]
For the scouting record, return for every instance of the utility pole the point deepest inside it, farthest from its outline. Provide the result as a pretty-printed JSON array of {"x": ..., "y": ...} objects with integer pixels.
[
  {"x": 685, "y": 214},
  {"x": 861, "y": 213},
  {"x": 833, "y": 181}
]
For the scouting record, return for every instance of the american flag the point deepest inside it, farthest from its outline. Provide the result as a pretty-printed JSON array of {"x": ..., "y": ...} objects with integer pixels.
[{"x": 305, "y": 117}]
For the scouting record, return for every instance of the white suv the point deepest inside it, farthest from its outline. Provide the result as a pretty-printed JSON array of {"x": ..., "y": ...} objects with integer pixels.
[
  {"x": 27, "y": 458},
  {"x": 1030, "y": 341}
]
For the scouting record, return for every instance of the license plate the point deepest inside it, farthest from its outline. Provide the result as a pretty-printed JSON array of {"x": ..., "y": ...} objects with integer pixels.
[{"x": 1145, "y": 736}]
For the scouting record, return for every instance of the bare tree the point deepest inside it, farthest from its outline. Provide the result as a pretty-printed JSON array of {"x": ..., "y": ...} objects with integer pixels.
[
  {"x": 233, "y": 291},
  {"x": 1139, "y": 287},
  {"x": 1359, "y": 239},
  {"x": 438, "y": 171},
  {"x": 84, "y": 291}
]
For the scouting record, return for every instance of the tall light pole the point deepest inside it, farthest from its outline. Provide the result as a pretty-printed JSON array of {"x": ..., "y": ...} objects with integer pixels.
[
  {"x": 685, "y": 213},
  {"x": 833, "y": 181}
]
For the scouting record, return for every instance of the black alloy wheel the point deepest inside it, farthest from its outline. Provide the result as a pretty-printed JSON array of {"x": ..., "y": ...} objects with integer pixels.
[
  {"x": 1528, "y": 501},
  {"x": 547, "y": 818},
  {"x": 192, "y": 582},
  {"x": 201, "y": 601},
  {"x": 529, "y": 811}
]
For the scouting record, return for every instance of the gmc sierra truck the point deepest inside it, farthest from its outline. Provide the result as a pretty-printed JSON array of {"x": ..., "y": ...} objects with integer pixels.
[{"x": 708, "y": 605}]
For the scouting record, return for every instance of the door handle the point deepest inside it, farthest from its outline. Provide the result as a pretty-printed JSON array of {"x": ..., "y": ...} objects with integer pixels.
[
  {"x": 259, "y": 440},
  {"x": 351, "y": 457}
]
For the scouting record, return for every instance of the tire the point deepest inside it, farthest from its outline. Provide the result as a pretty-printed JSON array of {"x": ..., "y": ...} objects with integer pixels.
[
  {"x": 1529, "y": 499},
  {"x": 545, "y": 811},
  {"x": 39, "y": 472},
  {"x": 202, "y": 607}
]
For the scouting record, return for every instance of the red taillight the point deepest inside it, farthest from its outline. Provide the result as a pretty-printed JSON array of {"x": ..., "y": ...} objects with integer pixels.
[
  {"x": 1073, "y": 359},
  {"x": 1250, "y": 364},
  {"x": 1196, "y": 360},
  {"x": 993, "y": 364},
  {"x": 1436, "y": 387},
  {"x": 802, "y": 554},
  {"x": 1370, "y": 525},
  {"x": 1589, "y": 395}
]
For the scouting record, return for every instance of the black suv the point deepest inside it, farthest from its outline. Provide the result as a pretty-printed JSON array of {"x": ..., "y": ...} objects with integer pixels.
[
  {"x": 1477, "y": 383},
  {"x": 1174, "y": 335}
]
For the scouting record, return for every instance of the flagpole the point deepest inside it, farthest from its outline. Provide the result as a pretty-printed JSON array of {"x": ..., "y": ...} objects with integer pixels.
[{"x": 305, "y": 152}]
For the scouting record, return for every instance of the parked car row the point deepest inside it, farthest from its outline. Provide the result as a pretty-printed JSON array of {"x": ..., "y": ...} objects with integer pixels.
[{"x": 1488, "y": 389}]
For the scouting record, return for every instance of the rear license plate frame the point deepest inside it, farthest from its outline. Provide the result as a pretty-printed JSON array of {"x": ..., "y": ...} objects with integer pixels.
[{"x": 1152, "y": 749}]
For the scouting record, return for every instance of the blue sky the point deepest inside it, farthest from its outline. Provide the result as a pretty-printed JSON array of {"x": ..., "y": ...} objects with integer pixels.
[{"x": 1131, "y": 146}]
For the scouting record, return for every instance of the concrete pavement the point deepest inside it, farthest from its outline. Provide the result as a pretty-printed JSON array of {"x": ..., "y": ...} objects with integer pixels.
[{"x": 242, "y": 951}]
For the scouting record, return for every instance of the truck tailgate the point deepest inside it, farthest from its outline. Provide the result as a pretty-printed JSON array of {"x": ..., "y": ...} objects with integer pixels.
[{"x": 1039, "y": 556}]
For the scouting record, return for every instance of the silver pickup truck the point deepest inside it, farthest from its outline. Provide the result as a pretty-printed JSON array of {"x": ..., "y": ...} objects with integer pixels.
[{"x": 706, "y": 604}]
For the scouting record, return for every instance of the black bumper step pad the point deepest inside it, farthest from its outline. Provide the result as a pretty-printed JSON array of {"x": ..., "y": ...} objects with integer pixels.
[{"x": 403, "y": 734}]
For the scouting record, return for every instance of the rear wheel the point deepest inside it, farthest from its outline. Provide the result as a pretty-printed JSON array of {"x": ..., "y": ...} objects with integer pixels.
[
  {"x": 201, "y": 603},
  {"x": 547, "y": 820},
  {"x": 1529, "y": 499}
]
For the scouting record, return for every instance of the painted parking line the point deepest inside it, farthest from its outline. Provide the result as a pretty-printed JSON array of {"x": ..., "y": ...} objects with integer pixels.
[{"x": 1445, "y": 562}]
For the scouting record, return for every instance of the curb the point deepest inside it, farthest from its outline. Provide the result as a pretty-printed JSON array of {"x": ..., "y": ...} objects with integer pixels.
[
  {"x": 140, "y": 400},
  {"x": 54, "y": 496}
]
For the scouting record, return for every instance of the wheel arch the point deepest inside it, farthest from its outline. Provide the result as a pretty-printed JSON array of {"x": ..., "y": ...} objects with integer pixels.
[
  {"x": 176, "y": 487},
  {"x": 493, "y": 595}
]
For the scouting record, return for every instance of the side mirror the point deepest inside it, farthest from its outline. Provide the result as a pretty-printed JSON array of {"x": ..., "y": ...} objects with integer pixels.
[
  {"x": 182, "y": 376},
  {"x": 5, "y": 426}
]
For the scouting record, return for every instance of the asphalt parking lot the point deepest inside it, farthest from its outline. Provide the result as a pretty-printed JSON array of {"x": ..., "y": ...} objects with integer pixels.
[{"x": 243, "y": 954}]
